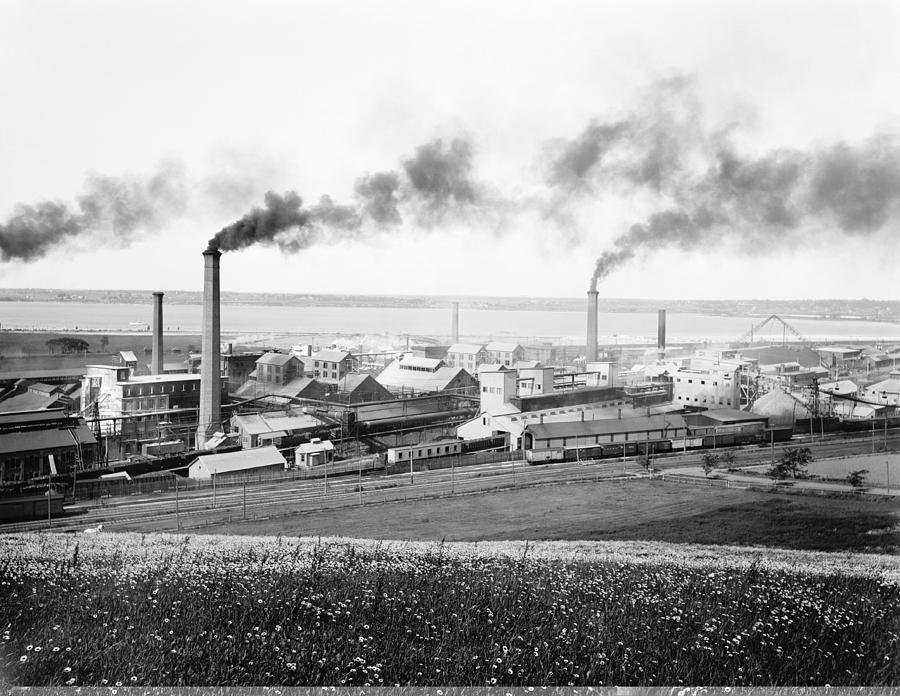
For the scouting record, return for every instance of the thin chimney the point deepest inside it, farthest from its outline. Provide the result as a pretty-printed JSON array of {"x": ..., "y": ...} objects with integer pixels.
[
  {"x": 156, "y": 363},
  {"x": 454, "y": 324},
  {"x": 210, "y": 369},
  {"x": 661, "y": 335},
  {"x": 591, "y": 350}
]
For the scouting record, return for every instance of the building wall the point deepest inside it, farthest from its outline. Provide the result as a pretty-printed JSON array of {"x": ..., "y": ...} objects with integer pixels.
[
  {"x": 706, "y": 388},
  {"x": 467, "y": 361},
  {"x": 330, "y": 372},
  {"x": 537, "y": 380},
  {"x": 497, "y": 388}
]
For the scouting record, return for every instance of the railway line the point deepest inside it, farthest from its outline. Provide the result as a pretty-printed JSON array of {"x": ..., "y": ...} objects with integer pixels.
[{"x": 199, "y": 508}]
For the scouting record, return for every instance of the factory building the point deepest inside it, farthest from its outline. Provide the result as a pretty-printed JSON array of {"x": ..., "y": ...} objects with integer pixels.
[
  {"x": 356, "y": 388},
  {"x": 24, "y": 395},
  {"x": 297, "y": 388},
  {"x": 534, "y": 380},
  {"x": 886, "y": 392},
  {"x": 238, "y": 367},
  {"x": 412, "y": 375},
  {"x": 27, "y": 438},
  {"x": 712, "y": 387},
  {"x": 723, "y": 421},
  {"x": 841, "y": 360},
  {"x": 467, "y": 356},
  {"x": 260, "y": 429},
  {"x": 640, "y": 429},
  {"x": 331, "y": 366},
  {"x": 236, "y": 464}
]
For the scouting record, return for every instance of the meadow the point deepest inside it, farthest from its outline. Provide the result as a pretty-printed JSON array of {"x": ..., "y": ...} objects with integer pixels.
[{"x": 136, "y": 610}]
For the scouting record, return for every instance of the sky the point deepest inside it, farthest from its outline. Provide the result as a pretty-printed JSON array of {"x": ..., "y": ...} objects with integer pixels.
[{"x": 701, "y": 149}]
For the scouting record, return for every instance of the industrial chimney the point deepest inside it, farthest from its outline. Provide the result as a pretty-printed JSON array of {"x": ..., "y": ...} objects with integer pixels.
[
  {"x": 454, "y": 324},
  {"x": 156, "y": 363},
  {"x": 210, "y": 369},
  {"x": 661, "y": 335},
  {"x": 591, "y": 350}
]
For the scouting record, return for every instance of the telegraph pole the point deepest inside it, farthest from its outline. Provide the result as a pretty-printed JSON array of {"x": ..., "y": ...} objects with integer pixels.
[{"x": 177, "y": 510}]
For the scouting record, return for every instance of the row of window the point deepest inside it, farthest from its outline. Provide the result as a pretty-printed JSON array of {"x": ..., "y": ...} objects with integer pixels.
[
  {"x": 171, "y": 388},
  {"x": 432, "y": 451},
  {"x": 727, "y": 401}
]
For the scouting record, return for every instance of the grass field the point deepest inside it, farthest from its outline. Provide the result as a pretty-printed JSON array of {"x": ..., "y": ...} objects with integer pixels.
[
  {"x": 114, "y": 610},
  {"x": 636, "y": 510}
]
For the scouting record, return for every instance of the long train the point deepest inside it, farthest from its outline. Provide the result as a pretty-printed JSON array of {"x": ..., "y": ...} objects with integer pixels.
[{"x": 652, "y": 447}]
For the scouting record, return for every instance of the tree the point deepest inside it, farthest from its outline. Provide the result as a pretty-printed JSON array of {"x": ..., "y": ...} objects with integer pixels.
[
  {"x": 67, "y": 344},
  {"x": 857, "y": 478},
  {"x": 709, "y": 461},
  {"x": 793, "y": 463},
  {"x": 728, "y": 458},
  {"x": 104, "y": 343}
]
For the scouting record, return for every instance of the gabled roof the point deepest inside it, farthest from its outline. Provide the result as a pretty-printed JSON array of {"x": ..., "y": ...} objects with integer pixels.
[
  {"x": 308, "y": 447},
  {"x": 331, "y": 355},
  {"x": 529, "y": 364},
  {"x": 408, "y": 361},
  {"x": 501, "y": 347},
  {"x": 128, "y": 356},
  {"x": 492, "y": 367},
  {"x": 394, "y": 377},
  {"x": 275, "y": 359},
  {"x": 239, "y": 461},
  {"x": 467, "y": 348}
]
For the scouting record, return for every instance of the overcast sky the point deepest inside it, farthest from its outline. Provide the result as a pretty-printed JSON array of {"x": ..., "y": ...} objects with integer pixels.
[{"x": 216, "y": 103}]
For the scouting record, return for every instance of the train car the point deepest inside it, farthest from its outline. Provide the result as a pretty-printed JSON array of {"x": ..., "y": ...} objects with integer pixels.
[
  {"x": 423, "y": 450},
  {"x": 30, "y": 507},
  {"x": 544, "y": 456},
  {"x": 486, "y": 444}
]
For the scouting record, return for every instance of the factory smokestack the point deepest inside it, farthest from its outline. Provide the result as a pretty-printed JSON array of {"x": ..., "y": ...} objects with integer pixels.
[
  {"x": 454, "y": 324},
  {"x": 156, "y": 366},
  {"x": 210, "y": 369},
  {"x": 661, "y": 335},
  {"x": 591, "y": 350}
]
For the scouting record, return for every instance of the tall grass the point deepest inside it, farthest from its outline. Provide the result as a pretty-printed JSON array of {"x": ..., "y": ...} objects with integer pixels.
[{"x": 173, "y": 611}]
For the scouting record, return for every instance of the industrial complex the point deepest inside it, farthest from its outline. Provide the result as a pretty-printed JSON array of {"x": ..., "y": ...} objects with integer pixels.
[{"x": 232, "y": 410}]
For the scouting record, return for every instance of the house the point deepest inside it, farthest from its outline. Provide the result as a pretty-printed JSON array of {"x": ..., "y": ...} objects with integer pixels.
[
  {"x": 330, "y": 366},
  {"x": 467, "y": 356},
  {"x": 316, "y": 452},
  {"x": 28, "y": 437},
  {"x": 230, "y": 464},
  {"x": 505, "y": 353},
  {"x": 277, "y": 368}
]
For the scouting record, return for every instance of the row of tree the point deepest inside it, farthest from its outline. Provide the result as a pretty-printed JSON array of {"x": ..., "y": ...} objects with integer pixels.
[{"x": 792, "y": 465}]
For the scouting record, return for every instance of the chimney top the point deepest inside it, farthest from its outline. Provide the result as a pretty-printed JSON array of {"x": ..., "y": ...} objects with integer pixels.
[{"x": 212, "y": 252}]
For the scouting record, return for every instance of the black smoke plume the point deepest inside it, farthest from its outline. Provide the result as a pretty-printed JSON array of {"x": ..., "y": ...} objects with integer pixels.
[
  {"x": 783, "y": 197},
  {"x": 378, "y": 197},
  {"x": 264, "y": 225},
  {"x": 439, "y": 177},
  {"x": 110, "y": 211}
]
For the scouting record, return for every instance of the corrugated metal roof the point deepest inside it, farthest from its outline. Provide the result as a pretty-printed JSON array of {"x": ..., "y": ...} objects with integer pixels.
[
  {"x": 34, "y": 440},
  {"x": 415, "y": 361},
  {"x": 239, "y": 461},
  {"x": 128, "y": 356},
  {"x": 589, "y": 428}
]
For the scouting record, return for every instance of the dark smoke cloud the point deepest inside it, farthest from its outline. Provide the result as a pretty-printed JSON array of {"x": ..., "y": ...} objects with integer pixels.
[
  {"x": 782, "y": 197},
  {"x": 378, "y": 197},
  {"x": 263, "y": 225},
  {"x": 439, "y": 177},
  {"x": 110, "y": 211},
  {"x": 574, "y": 161}
]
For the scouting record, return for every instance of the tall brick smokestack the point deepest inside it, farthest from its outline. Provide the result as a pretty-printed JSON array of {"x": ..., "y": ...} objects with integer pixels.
[
  {"x": 591, "y": 351},
  {"x": 156, "y": 365},
  {"x": 210, "y": 369},
  {"x": 661, "y": 335},
  {"x": 454, "y": 324}
]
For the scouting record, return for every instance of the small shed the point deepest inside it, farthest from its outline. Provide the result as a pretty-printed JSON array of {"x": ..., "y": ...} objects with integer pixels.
[
  {"x": 314, "y": 453},
  {"x": 235, "y": 463}
]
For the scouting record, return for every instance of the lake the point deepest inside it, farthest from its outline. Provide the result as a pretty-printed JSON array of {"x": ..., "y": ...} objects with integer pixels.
[{"x": 564, "y": 326}]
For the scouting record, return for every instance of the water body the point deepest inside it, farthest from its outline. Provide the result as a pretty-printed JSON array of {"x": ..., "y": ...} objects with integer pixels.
[{"x": 395, "y": 321}]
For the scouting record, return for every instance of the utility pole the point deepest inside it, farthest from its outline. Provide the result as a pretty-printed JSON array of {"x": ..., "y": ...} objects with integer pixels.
[
  {"x": 51, "y": 469},
  {"x": 359, "y": 480},
  {"x": 245, "y": 500},
  {"x": 177, "y": 510},
  {"x": 214, "y": 491},
  {"x": 873, "y": 436}
]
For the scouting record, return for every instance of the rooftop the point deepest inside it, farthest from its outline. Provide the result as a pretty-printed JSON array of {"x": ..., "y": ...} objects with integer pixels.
[
  {"x": 331, "y": 355},
  {"x": 239, "y": 461},
  {"x": 275, "y": 359},
  {"x": 467, "y": 348},
  {"x": 589, "y": 428}
]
